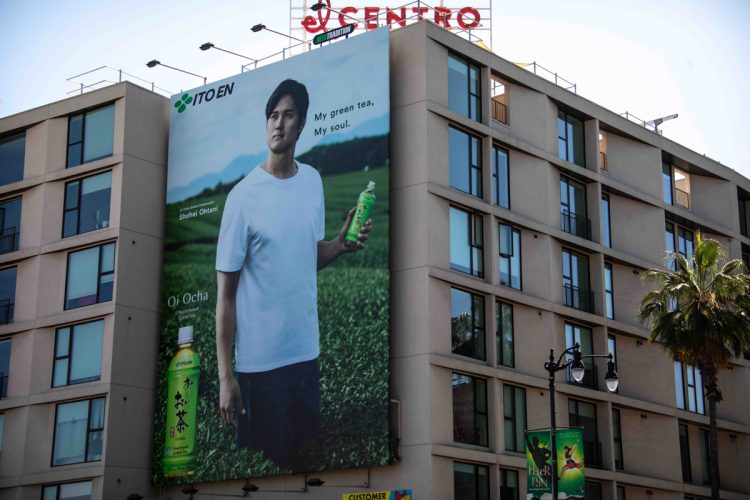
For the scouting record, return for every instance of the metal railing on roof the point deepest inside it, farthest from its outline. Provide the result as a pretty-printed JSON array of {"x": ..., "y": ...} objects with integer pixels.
[
  {"x": 120, "y": 74},
  {"x": 550, "y": 75}
]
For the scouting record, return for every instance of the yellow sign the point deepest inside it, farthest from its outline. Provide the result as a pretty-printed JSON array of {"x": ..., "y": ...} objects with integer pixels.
[{"x": 380, "y": 495}]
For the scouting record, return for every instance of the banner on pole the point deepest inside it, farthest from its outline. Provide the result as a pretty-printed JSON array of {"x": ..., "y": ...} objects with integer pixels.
[{"x": 570, "y": 464}]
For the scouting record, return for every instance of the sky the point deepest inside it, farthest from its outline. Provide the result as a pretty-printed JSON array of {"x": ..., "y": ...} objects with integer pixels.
[{"x": 649, "y": 57}]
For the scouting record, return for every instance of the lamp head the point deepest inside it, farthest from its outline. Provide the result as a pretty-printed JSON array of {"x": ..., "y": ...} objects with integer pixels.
[
  {"x": 249, "y": 487},
  {"x": 315, "y": 481},
  {"x": 316, "y": 7},
  {"x": 152, "y": 63},
  {"x": 577, "y": 368},
  {"x": 206, "y": 46},
  {"x": 190, "y": 490},
  {"x": 611, "y": 377},
  {"x": 258, "y": 27}
]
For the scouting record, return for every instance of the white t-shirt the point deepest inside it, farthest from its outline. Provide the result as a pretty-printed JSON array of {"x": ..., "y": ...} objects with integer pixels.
[{"x": 270, "y": 230}]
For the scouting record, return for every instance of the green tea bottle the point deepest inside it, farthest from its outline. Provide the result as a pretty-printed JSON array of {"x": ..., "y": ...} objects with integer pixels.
[
  {"x": 362, "y": 212},
  {"x": 182, "y": 407}
]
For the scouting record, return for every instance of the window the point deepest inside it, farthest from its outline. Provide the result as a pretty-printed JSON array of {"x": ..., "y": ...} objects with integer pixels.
[
  {"x": 617, "y": 438},
  {"x": 465, "y": 161},
  {"x": 675, "y": 186},
  {"x": 570, "y": 138},
  {"x": 666, "y": 183},
  {"x": 687, "y": 474},
  {"x": 602, "y": 151},
  {"x": 689, "y": 387},
  {"x": 510, "y": 256},
  {"x": 612, "y": 348},
  {"x": 609, "y": 302},
  {"x": 499, "y": 100},
  {"x": 10, "y": 224},
  {"x": 4, "y": 367},
  {"x": 463, "y": 88},
  {"x": 91, "y": 274},
  {"x": 606, "y": 231},
  {"x": 78, "y": 354},
  {"x": 467, "y": 324},
  {"x": 470, "y": 482},
  {"x": 7, "y": 294},
  {"x": 467, "y": 238},
  {"x": 583, "y": 414},
  {"x": 68, "y": 491},
  {"x": 573, "y": 214},
  {"x": 91, "y": 135},
  {"x": 12, "y": 155},
  {"x": 514, "y": 403},
  {"x": 500, "y": 179},
  {"x": 2, "y": 427},
  {"x": 621, "y": 493},
  {"x": 575, "y": 281},
  {"x": 575, "y": 334},
  {"x": 79, "y": 432},
  {"x": 509, "y": 488},
  {"x": 469, "y": 410},
  {"x": 504, "y": 322},
  {"x": 87, "y": 204},
  {"x": 744, "y": 209},
  {"x": 593, "y": 491}
]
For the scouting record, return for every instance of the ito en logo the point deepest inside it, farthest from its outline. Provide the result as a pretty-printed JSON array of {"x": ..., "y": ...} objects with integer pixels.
[{"x": 182, "y": 103}]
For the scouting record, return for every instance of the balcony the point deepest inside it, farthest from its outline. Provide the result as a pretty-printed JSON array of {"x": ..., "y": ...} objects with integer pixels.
[
  {"x": 681, "y": 198},
  {"x": 575, "y": 224},
  {"x": 8, "y": 240},
  {"x": 602, "y": 160},
  {"x": 6, "y": 311},
  {"x": 499, "y": 111},
  {"x": 578, "y": 298}
]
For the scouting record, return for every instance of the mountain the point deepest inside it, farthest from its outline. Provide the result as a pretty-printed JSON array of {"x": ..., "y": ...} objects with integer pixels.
[{"x": 239, "y": 167}]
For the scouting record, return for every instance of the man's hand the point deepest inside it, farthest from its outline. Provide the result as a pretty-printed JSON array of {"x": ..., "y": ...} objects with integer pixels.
[
  {"x": 364, "y": 234},
  {"x": 230, "y": 399}
]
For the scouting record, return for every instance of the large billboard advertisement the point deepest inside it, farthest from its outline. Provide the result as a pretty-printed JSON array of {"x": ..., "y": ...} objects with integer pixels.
[
  {"x": 570, "y": 464},
  {"x": 274, "y": 353}
]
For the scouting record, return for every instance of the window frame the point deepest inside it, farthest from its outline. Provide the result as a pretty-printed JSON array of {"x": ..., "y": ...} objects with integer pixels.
[
  {"x": 7, "y": 311},
  {"x": 497, "y": 184},
  {"x": 69, "y": 357},
  {"x": 479, "y": 333},
  {"x": 77, "y": 208},
  {"x": 685, "y": 389},
  {"x": 606, "y": 221},
  {"x": 472, "y": 97},
  {"x": 504, "y": 479},
  {"x": 564, "y": 116},
  {"x": 5, "y": 376},
  {"x": 500, "y": 334},
  {"x": 684, "y": 439},
  {"x": 14, "y": 136},
  {"x": 15, "y": 235},
  {"x": 617, "y": 444},
  {"x": 596, "y": 461},
  {"x": 84, "y": 119},
  {"x": 474, "y": 170},
  {"x": 474, "y": 219},
  {"x": 480, "y": 419},
  {"x": 99, "y": 274},
  {"x": 477, "y": 486},
  {"x": 58, "y": 485},
  {"x": 609, "y": 293},
  {"x": 511, "y": 417},
  {"x": 495, "y": 82},
  {"x": 507, "y": 260},
  {"x": 578, "y": 214},
  {"x": 89, "y": 430},
  {"x": 575, "y": 281}
]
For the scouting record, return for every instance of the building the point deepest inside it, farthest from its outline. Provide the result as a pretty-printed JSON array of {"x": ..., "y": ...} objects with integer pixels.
[
  {"x": 523, "y": 217},
  {"x": 82, "y": 205}
]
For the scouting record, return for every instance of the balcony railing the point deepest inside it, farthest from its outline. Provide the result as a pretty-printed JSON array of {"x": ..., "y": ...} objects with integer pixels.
[
  {"x": 681, "y": 198},
  {"x": 578, "y": 298},
  {"x": 6, "y": 311},
  {"x": 590, "y": 377},
  {"x": 8, "y": 240},
  {"x": 575, "y": 224},
  {"x": 499, "y": 111},
  {"x": 603, "y": 160}
]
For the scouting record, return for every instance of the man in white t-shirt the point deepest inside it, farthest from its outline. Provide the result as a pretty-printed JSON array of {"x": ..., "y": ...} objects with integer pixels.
[{"x": 269, "y": 251}]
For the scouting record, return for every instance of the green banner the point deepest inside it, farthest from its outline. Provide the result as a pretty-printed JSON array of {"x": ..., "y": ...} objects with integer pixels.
[
  {"x": 571, "y": 483},
  {"x": 570, "y": 464},
  {"x": 538, "y": 464}
]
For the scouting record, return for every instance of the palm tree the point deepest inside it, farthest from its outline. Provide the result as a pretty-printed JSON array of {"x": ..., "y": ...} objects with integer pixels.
[{"x": 700, "y": 313}]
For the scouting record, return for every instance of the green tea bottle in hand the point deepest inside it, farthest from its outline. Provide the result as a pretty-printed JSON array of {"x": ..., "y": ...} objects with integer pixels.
[
  {"x": 362, "y": 213},
  {"x": 182, "y": 407}
]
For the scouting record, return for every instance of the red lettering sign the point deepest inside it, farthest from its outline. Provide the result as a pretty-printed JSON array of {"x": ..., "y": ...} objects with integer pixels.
[{"x": 466, "y": 18}]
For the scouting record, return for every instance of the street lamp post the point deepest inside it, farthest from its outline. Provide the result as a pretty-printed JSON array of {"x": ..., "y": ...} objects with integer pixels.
[
  {"x": 154, "y": 62},
  {"x": 578, "y": 370}
]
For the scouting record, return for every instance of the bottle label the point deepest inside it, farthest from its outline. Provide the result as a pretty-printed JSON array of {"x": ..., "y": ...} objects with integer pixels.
[{"x": 182, "y": 407}]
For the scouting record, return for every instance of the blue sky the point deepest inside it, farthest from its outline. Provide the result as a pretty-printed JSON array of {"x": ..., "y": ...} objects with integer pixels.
[{"x": 651, "y": 58}]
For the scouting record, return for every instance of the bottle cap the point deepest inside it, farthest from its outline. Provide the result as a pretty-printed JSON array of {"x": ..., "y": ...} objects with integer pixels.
[
  {"x": 371, "y": 185},
  {"x": 185, "y": 335}
]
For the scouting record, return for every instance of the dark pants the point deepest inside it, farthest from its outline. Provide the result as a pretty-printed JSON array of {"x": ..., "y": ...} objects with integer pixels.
[{"x": 282, "y": 411}]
